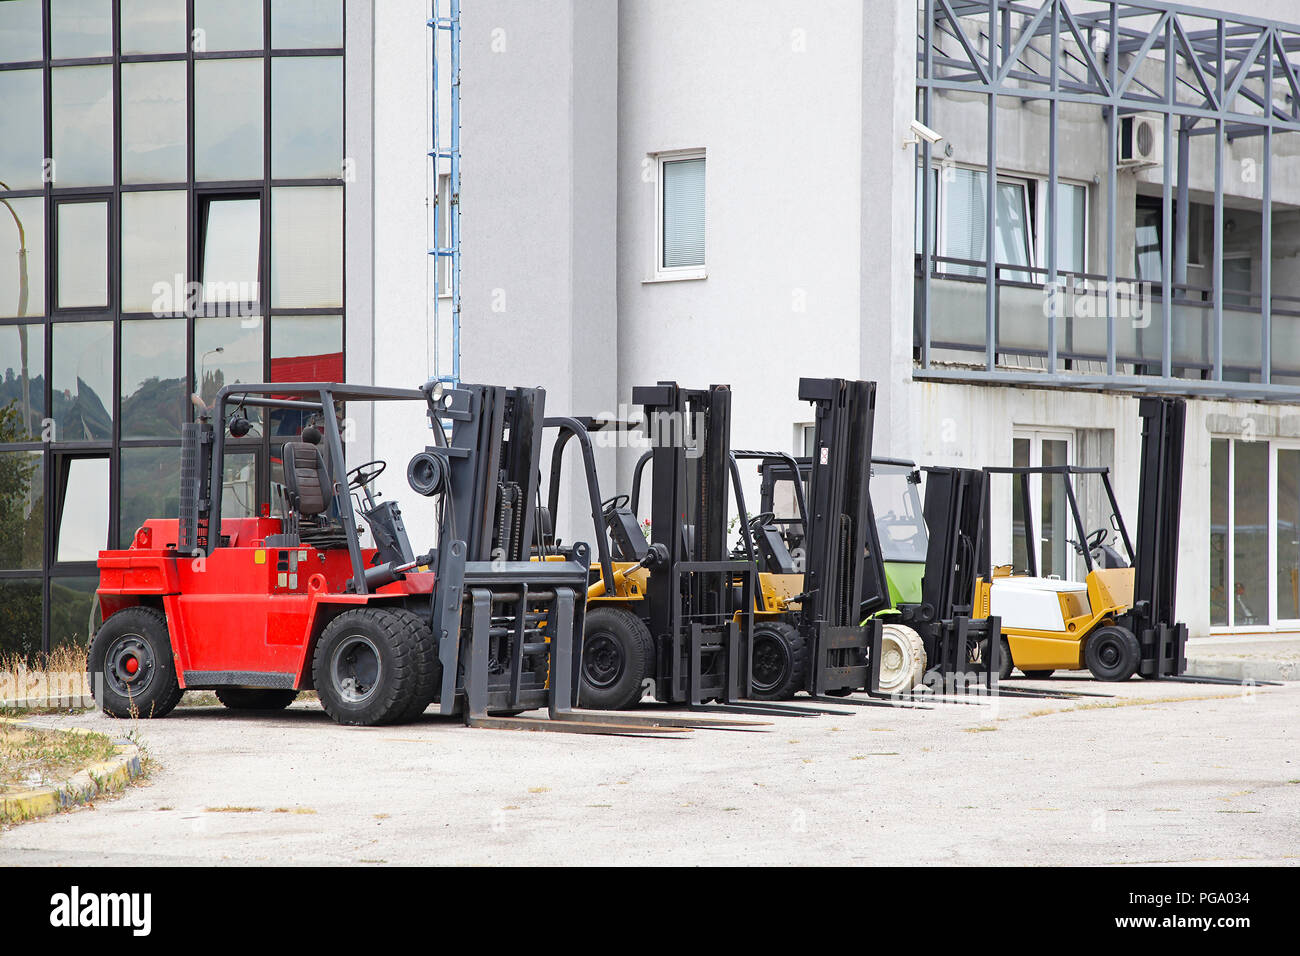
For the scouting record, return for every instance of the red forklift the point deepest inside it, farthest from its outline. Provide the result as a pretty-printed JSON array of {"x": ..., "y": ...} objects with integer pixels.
[{"x": 260, "y": 608}]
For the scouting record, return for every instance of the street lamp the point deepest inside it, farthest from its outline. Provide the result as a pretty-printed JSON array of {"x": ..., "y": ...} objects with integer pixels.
[
  {"x": 22, "y": 310},
  {"x": 196, "y": 396}
]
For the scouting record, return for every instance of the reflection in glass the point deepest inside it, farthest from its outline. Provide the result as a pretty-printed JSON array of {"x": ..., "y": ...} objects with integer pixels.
[
  {"x": 22, "y": 382},
  {"x": 83, "y": 519},
  {"x": 1250, "y": 533},
  {"x": 1019, "y": 552},
  {"x": 1219, "y": 532},
  {"x": 22, "y": 257},
  {"x": 303, "y": 24},
  {"x": 80, "y": 28},
  {"x": 153, "y": 251},
  {"x": 82, "y": 255},
  {"x": 153, "y": 26},
  {"x": 151, "y": 483},
  {"x": 228, "y": 25},
  {"x": 1056, "y": 523},
  {"x": 227, "y": 350},
  {"x": 304, "y": 348},
  {"x": 307, "y": 247},
  {"x": 1071, "y": 227},
  {"x": 81, "y": 121},
  {"x": 22, "y": 510},
  {"x": 231, "y": 250},
  {"x": 153, "y": 122},
  {"x": 20, "y": 32},
  {"x": 228, "y": 120},
  {"x": 239, "y": 485},
  {"x": 20, "y": 616},
  {"x": 22, "y": 127},
  {"x": 83, "y": 381},
  {"x": 74, "y": 610},
  {"x": 1288, "y": 534},
  {"x": 154, "y": 396},
  {"x": 306, "y": 117}
]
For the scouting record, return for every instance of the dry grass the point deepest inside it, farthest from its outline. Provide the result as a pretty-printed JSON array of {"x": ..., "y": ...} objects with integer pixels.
[
  {"x": 52, "y": 680},
  {"x": 34, "y": 758}
]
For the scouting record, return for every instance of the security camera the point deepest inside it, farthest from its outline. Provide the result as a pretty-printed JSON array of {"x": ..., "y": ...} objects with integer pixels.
[{"x": 921, "y": 132}]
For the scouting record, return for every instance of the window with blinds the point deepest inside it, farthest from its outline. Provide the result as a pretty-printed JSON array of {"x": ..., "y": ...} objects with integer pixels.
[{"x": 682, "y": 213}]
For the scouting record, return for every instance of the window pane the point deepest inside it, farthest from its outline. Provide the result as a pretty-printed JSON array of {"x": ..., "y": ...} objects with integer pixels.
[
  {"x": 231, "y": 250},
  {"x": 83, "y": 522},
  {"x": 683, "y": 225},
  {"x": 1071, "y": 223},
  {"x": 82, "y": 124},
  {"x": 1147, "y": 243},
  {"x": 153, "y": 26},
  {"x": 153, "y": 122},
  {"x": 153, "y": 252},
  {"x": 83, "y": 380},
  {"x": 22, "y": 257},
  {"x": 304, "y": 348},
  {"x": 74, "y": 611},
  {"x": 1055, "y": 519},
  {"x": 20, "y": 618},
  {"x": 307, "y": 247},
  {"x": 1019, "y": 552},
  {"x": 151, "y": 483},
  {"x": 306, "y": 117},
  {"x": 22, "y": 390},
  {"x": 1012, "y": 230},
  {"x": 81, "y": 28},
  {"x": 228, "y": 25},
  {"x": 299, "y": 24},
  {"x": 82, "y": 255},
  {"x": 154, "y": 396},
  {"x": 1288, "y": 534},
  {"x": 1219, "y": 532},
  {"x": 240, "y": 358},
  {"x": 228, "y": 119},
  {"x": 239, "y": 485},
  {"x": 20, "y": 31},
  {"x": 1250, "y": 533},
  {"x": 22, "y": 128},
  {"x": 22, "y": 511}
]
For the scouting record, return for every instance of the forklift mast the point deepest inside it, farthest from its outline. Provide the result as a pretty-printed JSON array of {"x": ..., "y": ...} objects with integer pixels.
[
  {"x": 700, "y": 602},
  {"x": 844, "y": 574},
  {"x": 1152, "y": 617}
]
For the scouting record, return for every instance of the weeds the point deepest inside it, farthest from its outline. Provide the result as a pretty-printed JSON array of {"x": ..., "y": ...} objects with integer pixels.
[{"x": 34, "y": 758}]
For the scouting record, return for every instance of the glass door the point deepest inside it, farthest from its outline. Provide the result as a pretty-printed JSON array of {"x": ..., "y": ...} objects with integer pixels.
[{"x": 1049, "y": 506}]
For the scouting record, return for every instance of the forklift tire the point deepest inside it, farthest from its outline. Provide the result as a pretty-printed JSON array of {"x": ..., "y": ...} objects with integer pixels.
[
  {"x": 780, "y": 661},
  {"x": 1007, "y": 663},
  {"x": 616, "y": 656},
  {"x": 255, "y": 698},
  {"x": 428, "y": 666},
  {"x": 1112, "y": 653},
  {"x": 370, "y": 666},
  {"x": 1038, "y": 675},
  {"x": 132, "y": 671},
  {"x": 902, "y": 659}
]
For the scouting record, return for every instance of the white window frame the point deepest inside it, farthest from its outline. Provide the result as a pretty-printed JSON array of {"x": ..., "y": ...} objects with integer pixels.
[
  {"x": 941, "y": 198},
  {"x": 676, "y": 273},
  {"x": 1040, "y": 224},
  {"x": 1036, "y": 435}
]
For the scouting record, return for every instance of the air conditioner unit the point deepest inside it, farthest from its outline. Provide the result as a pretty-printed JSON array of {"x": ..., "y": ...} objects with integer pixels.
[{"x": 1141, "y": 141}]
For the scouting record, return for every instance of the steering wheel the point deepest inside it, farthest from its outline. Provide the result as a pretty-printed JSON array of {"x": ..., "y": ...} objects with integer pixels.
[
  {"x": 363, "y": 475},
  {"x": 1093, "y": 541},
  {"x": 613, "y": 504},
  {"x": 757, "y": 522}
]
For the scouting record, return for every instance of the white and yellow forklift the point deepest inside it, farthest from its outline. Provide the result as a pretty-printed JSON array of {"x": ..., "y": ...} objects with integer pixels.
[{"x": 1120, "y": 619}]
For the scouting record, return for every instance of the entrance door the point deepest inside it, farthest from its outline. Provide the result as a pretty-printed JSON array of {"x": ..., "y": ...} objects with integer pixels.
[{"x": 1050, "y": 509}]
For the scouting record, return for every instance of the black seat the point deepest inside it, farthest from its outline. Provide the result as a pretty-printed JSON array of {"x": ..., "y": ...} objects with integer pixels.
[{"x": 311, "y": 492}]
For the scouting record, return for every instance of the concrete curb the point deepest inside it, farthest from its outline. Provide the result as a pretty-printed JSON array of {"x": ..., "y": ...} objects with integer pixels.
[
  {"x": 1244, "y": 668},
  {"x": 106, "y": 777}
]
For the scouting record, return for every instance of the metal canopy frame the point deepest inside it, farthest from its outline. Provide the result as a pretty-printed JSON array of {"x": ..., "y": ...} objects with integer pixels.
[{"x": 1044, "y": 50}]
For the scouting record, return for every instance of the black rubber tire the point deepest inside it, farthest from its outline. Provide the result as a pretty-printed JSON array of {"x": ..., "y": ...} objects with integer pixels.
[
  {"x": 255, "y": 698},
  {"x": 396, "y": 643},
  {"x": 1038, "y": 675},
  {"x": 779, "y": 656},
  {"x": 1007, "y": 663},
  {"x": 139, "y": 632},
  {"x": 616, "y": 655},
  {"x": 428, "y": 667},
  {"x": 1112, "y": 653}
]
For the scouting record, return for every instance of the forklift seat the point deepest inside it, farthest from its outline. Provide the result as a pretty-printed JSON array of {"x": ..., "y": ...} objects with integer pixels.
[{"x": 306, "y": 478}]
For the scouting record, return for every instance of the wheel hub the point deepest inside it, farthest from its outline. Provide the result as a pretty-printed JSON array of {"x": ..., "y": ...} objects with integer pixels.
[
  {"x": 128, "y": 666},
  {"x": 354, "y": 668},
  {"x": 770, "y": 661},
  {"x": 602, "y": 660}
]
